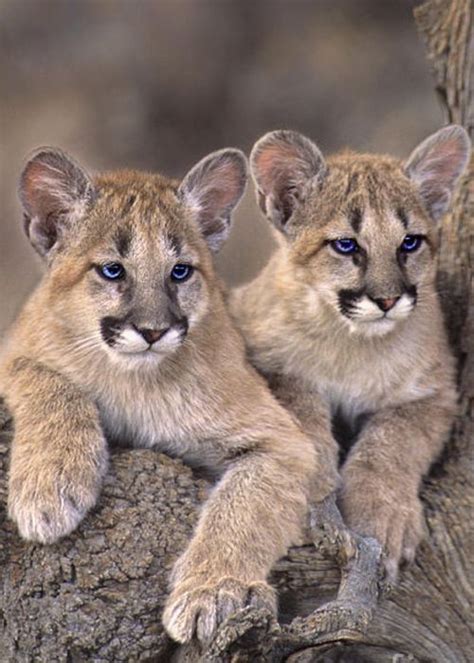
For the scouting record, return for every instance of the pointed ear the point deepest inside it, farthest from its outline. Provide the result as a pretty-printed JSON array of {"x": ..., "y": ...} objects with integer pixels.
[
  {"x": 436, "y": 165},
  {"x": 55, "y": 193},
  {"x": 282, "y": 164},
  {"x": 212, "y": 189}
]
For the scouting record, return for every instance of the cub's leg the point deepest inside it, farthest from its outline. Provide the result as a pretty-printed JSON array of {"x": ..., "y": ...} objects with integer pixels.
[
  {"x": 313, "y": 415},
  {"x": 58, "y": 455},
  {"x": 382, "y": 474},
  {"x": 255, "y": 512}
]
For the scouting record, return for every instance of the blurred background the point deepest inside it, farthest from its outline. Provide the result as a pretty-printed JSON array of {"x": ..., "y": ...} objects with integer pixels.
[{"x": 157, "y": 84}]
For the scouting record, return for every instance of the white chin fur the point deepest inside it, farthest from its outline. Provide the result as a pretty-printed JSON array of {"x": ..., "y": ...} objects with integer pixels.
[
  {"x": 130, "y": 342},
  {"x": 378, "y": 327},
  {"x": 402, "y": 308},
  {"x": 131, "y": 349},
  {"x": 368, "y": 320}
]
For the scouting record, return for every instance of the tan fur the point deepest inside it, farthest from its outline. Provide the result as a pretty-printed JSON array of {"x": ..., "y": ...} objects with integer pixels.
[
  {"x": 196, "y": 398},
  {"x": 388, "y": 378}
]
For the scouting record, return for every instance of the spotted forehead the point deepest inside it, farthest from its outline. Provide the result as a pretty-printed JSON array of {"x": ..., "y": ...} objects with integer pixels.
[
  {"x": 129, "y": 239},
  {"x": 376, "y": 229},
  {"x": 356, "y": 182},
  {"x": 362, "y": 191},
  {"x": 136, "y": 210},
  {"x": 142, "y": 197}
]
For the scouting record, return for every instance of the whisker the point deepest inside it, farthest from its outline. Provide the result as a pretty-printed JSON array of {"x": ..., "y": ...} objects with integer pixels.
[{"x": 81, "y": 348}]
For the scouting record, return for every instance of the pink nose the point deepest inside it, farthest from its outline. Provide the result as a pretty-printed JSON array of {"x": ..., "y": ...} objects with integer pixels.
[
  {"x": 387, "y": 304},
  {"x": 152, "y": 335}
]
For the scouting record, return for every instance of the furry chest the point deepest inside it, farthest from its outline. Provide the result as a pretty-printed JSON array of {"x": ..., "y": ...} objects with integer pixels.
[
  {"x": 350, "y": 386},
  {"x": 143, "y": 419},
  {"x": 178, "y": 421}
]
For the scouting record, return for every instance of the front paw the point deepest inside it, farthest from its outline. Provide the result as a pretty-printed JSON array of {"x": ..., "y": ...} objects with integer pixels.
[
  {"x": 393, "y": 515},
  {"x": 195, "y": 609},
  {"x": 48, "y": 505}
]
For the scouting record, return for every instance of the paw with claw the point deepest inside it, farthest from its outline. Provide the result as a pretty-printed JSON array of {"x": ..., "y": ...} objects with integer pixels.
[
  {"x": 394, "y": 516},
  {"x": 197, "y": 610},
  {"x": 47, "y": 504}
]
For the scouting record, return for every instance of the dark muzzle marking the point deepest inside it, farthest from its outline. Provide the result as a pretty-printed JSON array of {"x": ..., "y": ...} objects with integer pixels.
[
  {"x": 412, "y": 292},
  {"x": 347, "y": 300},
  {"x": 109, "y": 328}
]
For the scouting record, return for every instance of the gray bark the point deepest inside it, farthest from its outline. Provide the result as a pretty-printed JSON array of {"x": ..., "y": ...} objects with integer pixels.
[{"x": 98, "y": 595}]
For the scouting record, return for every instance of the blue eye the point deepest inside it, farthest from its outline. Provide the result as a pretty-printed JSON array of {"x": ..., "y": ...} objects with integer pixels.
[
  {"x": 411, "y": 243},
  {"x": 345, "y": 245},
  {"x": 112, "y": 271},
  {"x": 181, "y": 273}
]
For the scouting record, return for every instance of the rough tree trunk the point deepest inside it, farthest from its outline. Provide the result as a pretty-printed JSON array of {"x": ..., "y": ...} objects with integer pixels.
[{"x": 97, "y": 595}]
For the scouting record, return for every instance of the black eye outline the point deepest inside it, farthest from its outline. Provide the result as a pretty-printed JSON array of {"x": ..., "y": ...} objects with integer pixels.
[
  {"x": 181, "y": 272},
  {"x": 345, "y": 245},
  {"x": 111, "y": 271},
  {"x": 414, "y": 243}
]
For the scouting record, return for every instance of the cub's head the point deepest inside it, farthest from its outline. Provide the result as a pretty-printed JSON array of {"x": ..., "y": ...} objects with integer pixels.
[
  {"x": 129, "y": 254},
  {"x": 359, "y": 231}
]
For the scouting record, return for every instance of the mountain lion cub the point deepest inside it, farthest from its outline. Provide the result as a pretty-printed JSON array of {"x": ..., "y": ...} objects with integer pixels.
[
  {"x": 127, "y": 337},
  {"x": 345, "y": 320}
]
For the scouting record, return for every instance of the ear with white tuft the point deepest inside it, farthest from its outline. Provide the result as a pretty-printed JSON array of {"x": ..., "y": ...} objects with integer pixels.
[
  {"x": 436, "y": 165},
  {"x": 55, "y": 193},
  {"x": 282, "y": 164},
  {"x": 212, "y": 189}
]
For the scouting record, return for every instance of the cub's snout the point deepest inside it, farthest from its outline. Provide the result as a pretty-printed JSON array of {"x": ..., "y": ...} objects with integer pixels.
[{"x": 129, "y": 337}]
